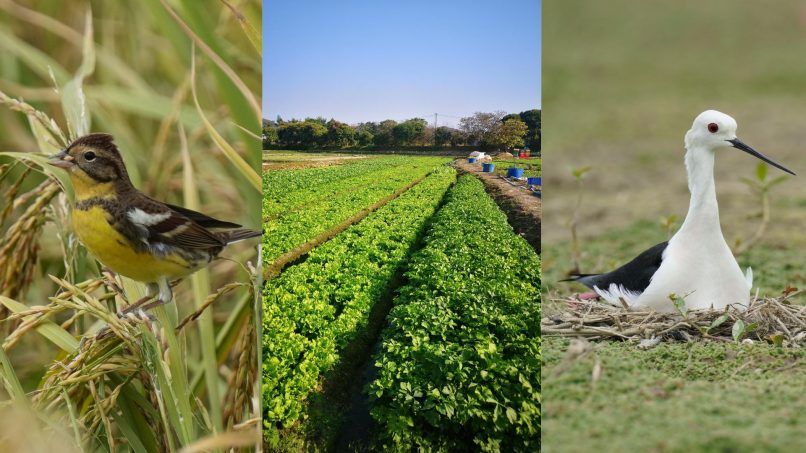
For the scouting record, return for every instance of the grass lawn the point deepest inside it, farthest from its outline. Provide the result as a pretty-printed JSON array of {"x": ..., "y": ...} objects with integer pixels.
[{"x": 676, "y": 396}]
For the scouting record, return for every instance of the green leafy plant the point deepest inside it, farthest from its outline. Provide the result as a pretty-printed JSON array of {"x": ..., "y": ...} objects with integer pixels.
[
  {"x": 329, "y": 197},
  {"x": 761, "y": 186},
  {"x": 459, "y": 368},
  {"x": 579, "y": 176},
  {"x": 315, "y": 309},
  {"x": 741, "y": 329}
]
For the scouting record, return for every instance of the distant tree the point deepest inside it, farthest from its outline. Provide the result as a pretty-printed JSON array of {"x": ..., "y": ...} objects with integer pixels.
[
  {"x": 340, "y": 135},
  {"x": 458, "y": 137},
  {"x": 302, "y": 134},
  {"x": 510, "y": 134},
  {"x": 319, "y": 119},
  {"x": 369, "y": 126},
  {"x": 269, "y": 134},
  {"x": 510, "y": 116},
  {"x": 481, "y": 127},
  {"x": 364, "y": 138},
  {"x": 427, "y": 137},
  {"x": 383, "y": 137},
  {"x": 442, "y": 135},
  {"x": 312, "y": 133},
  {"x": 533, "y": 122},
  {"x": 409, "y": 132}
]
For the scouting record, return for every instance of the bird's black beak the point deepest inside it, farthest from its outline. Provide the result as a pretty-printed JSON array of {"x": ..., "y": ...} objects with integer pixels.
[
  {"x": 61, "y": 160},
  {"x": 738, "y": 144}
]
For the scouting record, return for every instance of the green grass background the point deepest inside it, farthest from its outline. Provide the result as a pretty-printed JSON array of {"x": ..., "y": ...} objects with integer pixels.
[{"x": 622, "y": 82}]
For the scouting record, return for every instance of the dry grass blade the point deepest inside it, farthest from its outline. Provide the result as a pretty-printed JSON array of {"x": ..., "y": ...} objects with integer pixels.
[
  {"x": 231, "y": 439},
  {"x": 34, "y": 114},
  {"x": 773, "y": 320},
  {"x": 248, "y": 172},
  {"x": 253, "y": 35},
  {"x": 247, "y": 93}
]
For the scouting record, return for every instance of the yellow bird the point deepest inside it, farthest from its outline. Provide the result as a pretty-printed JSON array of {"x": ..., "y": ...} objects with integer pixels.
[{"x": 130, "y": 233}]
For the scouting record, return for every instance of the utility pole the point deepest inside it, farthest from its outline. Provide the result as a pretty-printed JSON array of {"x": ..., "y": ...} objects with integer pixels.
[{"x": 435, "y": 129}]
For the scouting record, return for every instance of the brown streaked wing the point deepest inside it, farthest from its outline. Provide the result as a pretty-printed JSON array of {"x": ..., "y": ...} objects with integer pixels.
[
  {"x": 184, "y": 232},
  {"x": 202, "y": 219}
]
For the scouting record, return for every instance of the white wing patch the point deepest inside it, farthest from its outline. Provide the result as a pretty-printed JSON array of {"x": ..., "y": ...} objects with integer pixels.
[
  {"x": 144, "y": 219},
  {"x": 615, "y": 293}
]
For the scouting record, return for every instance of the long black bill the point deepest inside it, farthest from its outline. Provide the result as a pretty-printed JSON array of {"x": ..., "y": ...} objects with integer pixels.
[{"x": 738, "y": 144}]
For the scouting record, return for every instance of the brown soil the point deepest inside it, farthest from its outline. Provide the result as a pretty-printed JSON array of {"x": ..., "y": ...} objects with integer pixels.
[
  {"x": 283, "y": 162},
  {"x": 522, "y": 207},
  {"x": 268, "y": 166}
]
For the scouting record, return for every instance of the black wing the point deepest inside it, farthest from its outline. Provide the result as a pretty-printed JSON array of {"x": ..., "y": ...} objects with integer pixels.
[{"x": 633, "y": 276}]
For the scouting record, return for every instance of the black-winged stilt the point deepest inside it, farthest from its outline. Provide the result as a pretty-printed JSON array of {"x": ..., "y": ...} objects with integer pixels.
[{"x": 696, "y": 263}]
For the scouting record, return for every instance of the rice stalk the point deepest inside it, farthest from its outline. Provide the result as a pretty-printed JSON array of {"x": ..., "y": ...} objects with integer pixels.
[
  {"x": 115, "y": 378},
  {"x": 20, "y": 247},
  {"x": 200, "y": 282}
]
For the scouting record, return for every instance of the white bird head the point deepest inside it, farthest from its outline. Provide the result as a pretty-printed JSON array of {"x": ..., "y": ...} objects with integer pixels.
[{"x": 713, "y": 130}]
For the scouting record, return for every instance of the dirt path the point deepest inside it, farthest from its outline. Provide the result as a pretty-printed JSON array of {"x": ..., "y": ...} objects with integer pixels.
[
  {"x": 522, "y": 207},
  {"x": 284, "y": 161}
]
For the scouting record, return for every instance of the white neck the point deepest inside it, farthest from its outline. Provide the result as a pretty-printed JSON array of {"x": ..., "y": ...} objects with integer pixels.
[{"x": 703, "y": 211}]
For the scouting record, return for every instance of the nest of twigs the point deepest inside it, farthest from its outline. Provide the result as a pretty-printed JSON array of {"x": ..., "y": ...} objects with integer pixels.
[{"x": 776, "y": 321}]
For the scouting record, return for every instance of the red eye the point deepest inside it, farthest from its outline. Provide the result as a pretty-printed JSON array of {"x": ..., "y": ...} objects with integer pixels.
[{"x": 712, "y": 128}]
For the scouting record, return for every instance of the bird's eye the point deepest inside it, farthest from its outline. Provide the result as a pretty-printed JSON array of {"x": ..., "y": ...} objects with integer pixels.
[
  {"x": 713, "y": 128},
  {"x": 89, "y": 156}
]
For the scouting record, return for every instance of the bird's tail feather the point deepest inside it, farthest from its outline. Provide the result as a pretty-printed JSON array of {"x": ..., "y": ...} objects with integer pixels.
[{"x": 230, "y": 237}]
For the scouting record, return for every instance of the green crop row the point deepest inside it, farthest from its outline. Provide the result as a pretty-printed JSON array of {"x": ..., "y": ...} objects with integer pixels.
[
  {"x": 459, "y": 367},
  {"x": 288, "y": 231},
  {"x": 316, "y": 308},
  {"x": 531, "y": 167},
  {"x": 289, "y": 189}
]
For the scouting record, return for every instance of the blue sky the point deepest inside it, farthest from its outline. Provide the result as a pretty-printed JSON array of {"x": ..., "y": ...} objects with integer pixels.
[{"x": 364, "y": 60}]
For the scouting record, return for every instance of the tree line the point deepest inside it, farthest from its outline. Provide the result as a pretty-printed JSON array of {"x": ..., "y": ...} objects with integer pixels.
[{"x": 486, "y": 130}]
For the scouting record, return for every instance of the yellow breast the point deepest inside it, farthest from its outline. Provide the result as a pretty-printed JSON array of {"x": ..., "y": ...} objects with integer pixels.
[{"x": 111, "y": 248}]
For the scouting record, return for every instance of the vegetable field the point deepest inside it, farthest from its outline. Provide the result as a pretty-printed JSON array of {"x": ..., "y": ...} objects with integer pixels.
[
  {"x": 459, "y": 368},
  {"x": 531, "y": 166},
  {"x": 456, "y": 363}
]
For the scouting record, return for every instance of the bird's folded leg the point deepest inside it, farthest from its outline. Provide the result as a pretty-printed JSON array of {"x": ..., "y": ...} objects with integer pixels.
[{"x": 164, "y": 295}]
